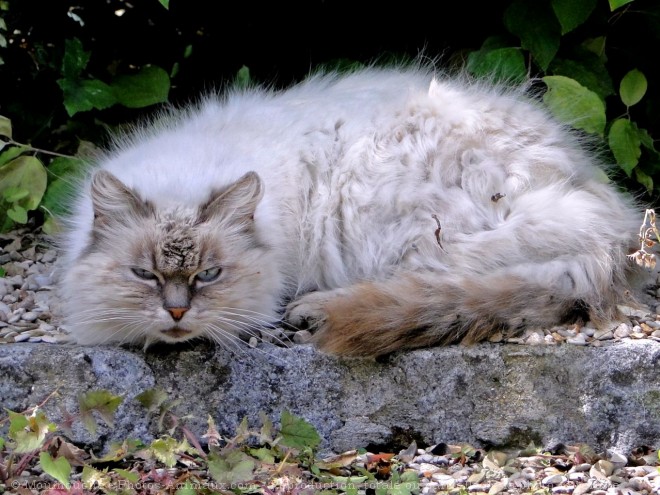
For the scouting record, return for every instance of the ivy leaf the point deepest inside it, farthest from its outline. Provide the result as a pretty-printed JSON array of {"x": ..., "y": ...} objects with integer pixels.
[
  {"x": 101, "y": 401},
  {"x": 572, "y": 14},
  {"x": 615, "y": 4},
  {"x": 500, "y": 64},
  {"x": 5, "y": 126},
  {"x": 537, "y": 28},
  {"x": 149, "y": 86},
  {"x": 81, "y": 96},
  {"x": 625, "y": 143},
  {"x": 297, "y": 433},
  {"x": 633, "y": 87},
  {"x": 59, "y": 468},
  {"x": 574, "y": 104}
]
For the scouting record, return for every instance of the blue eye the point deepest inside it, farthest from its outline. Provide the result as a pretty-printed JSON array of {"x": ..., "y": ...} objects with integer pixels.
[
  {"x": 209, "y": 275},
  {"x": 144, "y": 274}
]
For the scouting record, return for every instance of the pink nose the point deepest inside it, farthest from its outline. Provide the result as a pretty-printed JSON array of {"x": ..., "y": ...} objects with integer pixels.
[{"x": 177, "y": 313}]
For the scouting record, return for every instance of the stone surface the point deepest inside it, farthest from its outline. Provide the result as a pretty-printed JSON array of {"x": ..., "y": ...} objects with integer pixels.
[{"x": 488, "y": 395}]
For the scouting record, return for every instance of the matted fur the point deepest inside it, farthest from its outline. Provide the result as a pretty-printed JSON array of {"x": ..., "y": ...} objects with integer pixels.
[{"x": 392, "y": 208}]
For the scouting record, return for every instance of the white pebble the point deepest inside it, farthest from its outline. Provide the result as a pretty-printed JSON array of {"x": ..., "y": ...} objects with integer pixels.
[
  {"x": 21, "y": 337},
  {"x": 253, "y": 342},
  {"x": 555, "y": 479},
  {"x": 29, "y": 316},
  {"x": 579, "y": 339},
  {"x": 622, "y": 331}
]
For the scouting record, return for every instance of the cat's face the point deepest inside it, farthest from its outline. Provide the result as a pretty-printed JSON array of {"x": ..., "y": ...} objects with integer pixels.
[{"x": 150, "y": 275}]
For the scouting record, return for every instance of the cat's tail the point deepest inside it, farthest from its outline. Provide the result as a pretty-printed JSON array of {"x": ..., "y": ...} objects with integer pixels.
[{"x": 412, "y": 310}]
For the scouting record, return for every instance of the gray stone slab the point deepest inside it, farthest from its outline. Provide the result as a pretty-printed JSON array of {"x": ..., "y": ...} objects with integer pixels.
[{"x": 487, "y": 394}]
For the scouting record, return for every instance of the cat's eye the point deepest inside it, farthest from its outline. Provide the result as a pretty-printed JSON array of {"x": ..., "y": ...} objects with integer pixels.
[
  {"x": 209, "y": 275},
  {"x": 144, "y": 274}
]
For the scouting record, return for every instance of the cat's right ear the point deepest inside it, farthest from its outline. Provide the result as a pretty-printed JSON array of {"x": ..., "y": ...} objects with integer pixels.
[
  {"x": 237, "y": 201},
  {"x": 112, "y": 200}
]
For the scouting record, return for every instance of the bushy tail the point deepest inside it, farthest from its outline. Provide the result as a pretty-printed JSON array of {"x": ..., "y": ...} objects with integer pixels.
[{"x": 412, "y": 310}]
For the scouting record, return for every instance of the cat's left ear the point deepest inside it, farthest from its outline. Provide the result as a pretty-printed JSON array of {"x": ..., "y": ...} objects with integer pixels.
[{"x": 238, "y": 201}]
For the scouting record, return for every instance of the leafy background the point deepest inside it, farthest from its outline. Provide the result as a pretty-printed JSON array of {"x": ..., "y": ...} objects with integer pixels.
[{"x": 71, "y": 72}]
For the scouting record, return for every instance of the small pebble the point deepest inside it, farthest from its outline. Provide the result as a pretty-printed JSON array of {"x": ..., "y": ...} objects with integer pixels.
[
  {"x": 555, "y": 479},
  {"x": 579, "y": 339},
  {"x": 29, "y": 316}
]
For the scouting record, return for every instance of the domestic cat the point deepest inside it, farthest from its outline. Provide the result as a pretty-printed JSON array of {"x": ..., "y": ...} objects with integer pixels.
[{"x": 384, "y": 209}]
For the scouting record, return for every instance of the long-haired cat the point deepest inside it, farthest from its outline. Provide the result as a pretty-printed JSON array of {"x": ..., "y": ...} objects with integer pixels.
[{"x": 385, "y": 209}]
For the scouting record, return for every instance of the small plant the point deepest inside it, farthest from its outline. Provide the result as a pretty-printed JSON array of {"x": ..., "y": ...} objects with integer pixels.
[{"x": 26, "y": 184}]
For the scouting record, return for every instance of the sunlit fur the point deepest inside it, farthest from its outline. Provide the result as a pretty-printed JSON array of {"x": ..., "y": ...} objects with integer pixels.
[{"x": 395, "y": 208}]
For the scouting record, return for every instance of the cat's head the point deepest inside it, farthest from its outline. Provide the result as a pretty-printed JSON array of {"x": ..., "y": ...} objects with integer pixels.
[{"x": 171, "y": 274}]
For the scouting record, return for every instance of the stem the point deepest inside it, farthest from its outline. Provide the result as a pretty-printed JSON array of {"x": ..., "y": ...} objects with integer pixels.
[{"x": 37, "y": 150}]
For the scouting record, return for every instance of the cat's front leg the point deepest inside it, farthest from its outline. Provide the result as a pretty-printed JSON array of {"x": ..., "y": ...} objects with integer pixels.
[{"x": 310, "y": 312}]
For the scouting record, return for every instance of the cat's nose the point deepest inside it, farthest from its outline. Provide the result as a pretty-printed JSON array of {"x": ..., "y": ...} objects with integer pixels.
[{"x": 177, "y": 313}]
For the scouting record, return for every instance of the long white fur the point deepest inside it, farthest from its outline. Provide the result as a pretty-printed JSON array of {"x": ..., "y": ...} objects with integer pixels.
[{"x": 355, "y": 168}]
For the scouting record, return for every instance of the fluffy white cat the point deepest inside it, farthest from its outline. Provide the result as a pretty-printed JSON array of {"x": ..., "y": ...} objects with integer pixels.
[{"x": 390, "y": 208}]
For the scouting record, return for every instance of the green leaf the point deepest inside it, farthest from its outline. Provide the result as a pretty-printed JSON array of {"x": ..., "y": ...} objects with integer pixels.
[
  {"x": 165, "y": 449},
  {"x": 589, "y": 70},
  {"x": 28, "y": 432},
  {"x": 18, "y": 214},
  {"x": 13, "y": 194},
  {"x": 297, "y": 433},
  {"x": 536, "y": 26},
  {"x": 27, "y": 173},
  {"x": 574, "y": 104},
  {"x": 81, "y": 96},
  {"x": 75, "y": 59},
  {"x": 571, "y": 13},
  {"x": 235, "y": 467},
  {"x": 633, "y": 87},
  {"x": 264, "y": 454},
  {"x": 501, "y": 64},
  {"x": 101, "y": 401},
  {"x": 149, "y": 86},
  {"x": 59, "y": 468},
  {"x": 165, "y": 3},
  {"x": 62, "y": 174},
  {"x": 625, "y": 143},
  {"x": 131, "y": 476},
  {"x": 152, "y": 399},
  {"x": 644, "y": 179},
  {"x": 5, "y": 126},
  {"x": 243, "y": 79},
  {"x": 10, "y": 153},
  {"x": 93, "y": 479},
  {"x": 615, "y": 4}
]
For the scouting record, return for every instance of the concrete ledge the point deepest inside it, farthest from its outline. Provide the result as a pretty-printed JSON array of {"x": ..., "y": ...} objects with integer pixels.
[{"x": 487, "y": 395}]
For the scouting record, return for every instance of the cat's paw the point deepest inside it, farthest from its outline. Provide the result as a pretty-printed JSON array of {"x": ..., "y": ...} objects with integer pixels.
[{"x": 308, "y": 312}]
